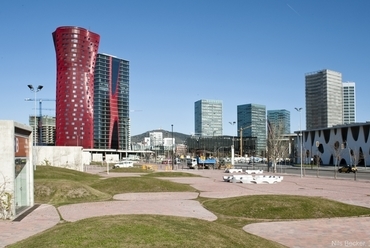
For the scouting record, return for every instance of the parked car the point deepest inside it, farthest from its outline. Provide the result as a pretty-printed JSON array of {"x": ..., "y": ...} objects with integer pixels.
[
  {"x": 124, "y": 164},
  {"x": 348, "y": 169}
]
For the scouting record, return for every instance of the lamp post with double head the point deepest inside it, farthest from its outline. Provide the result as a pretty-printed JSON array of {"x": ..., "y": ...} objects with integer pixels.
[
  {"x": 300, "y": 134},
  {"x": 35, "y": 90}
]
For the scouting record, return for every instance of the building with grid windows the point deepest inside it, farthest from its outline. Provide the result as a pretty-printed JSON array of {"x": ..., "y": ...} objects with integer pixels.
[
  {"x": 111, "y": 103},
  {"x": 251, "y": 122},
  {"x": 324, "y": 99},
  {"x": 45, "y": 133},
  {"x": 76, "y": 50},
  {"x": 279, "y": 118},
  {"x": 349, "y": 102},
  {"x": 208, "y": 117}
]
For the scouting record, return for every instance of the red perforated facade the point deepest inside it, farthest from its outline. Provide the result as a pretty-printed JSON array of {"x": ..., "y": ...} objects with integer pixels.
[{"x": 76, "y": 50}]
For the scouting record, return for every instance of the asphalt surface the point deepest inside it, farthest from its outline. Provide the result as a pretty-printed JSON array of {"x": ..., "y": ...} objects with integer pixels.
[{"x": 334, "y": 232}]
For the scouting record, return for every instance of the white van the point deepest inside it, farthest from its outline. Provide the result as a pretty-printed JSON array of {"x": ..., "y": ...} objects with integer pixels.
[{"x": 124, "y": 164}]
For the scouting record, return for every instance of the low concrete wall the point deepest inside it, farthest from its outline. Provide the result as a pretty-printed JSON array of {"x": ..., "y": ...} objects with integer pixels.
[
  {"x": 70, "y": 157},
  {"x": 97, "y": 157}
]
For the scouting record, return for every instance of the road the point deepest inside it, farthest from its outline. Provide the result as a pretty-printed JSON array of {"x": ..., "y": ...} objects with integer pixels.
[{"x": 324, "y": 171}]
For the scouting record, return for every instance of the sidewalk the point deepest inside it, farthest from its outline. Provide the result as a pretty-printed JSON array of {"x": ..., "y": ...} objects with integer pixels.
[{"x": 305, "y": 233}]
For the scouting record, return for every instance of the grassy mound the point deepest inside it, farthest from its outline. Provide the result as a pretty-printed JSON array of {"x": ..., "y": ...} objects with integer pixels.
[
  {"x": 282, "y": 207},
  {"x": 143, "y": 231}
]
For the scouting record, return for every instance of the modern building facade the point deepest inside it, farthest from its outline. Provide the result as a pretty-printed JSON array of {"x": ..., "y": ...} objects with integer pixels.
[
  {"x": 208, "y": 117},
  {"x": 251, "y": 122},
  {"x": 279, "y": 118},
  {"x": 349, "y": 102},
  {"x": 339, "y": 145},
  {"x": 76, "y": 50},
  {"x": 324, "y": 100},
  {"x": 217, "y": 146},
  {"x": 111, "y": 103}
]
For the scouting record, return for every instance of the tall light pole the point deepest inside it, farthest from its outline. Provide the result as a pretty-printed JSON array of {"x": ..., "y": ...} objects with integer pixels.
[
  {"x": 30, "y": 86},
  {"x": 241, "y": 138},
  {"x": 172, "y": 144},
  {"x": 126, "y": 138},
  {"x": 300, "y": 134},
  {"x": 232, "y": 123}
]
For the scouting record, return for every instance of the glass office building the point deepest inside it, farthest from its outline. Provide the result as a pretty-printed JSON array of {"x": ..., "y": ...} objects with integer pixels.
[
  {"x": 324, "y": 99},
  {"x": 349, "y": 102},
  {"x": 208, "y": 117},
  {"x": 251, "y": 122},
  {"x": 111, "y": 103},
  {"x": 279, "y": 118}
]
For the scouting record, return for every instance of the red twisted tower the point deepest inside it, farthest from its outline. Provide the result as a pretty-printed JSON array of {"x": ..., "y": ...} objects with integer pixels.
[{"x": 76, "y": 50}]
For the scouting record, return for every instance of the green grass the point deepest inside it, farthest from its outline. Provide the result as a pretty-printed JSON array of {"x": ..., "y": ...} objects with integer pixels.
[
  {"x": 56, "y": 173},
  {"x": 143, "y": 231},
  {"x": 62, "y": 186},
  {"x": 282, "y": 207},
  {"x": 59, "y": 186},
  {"x": 138, "y": 184}
]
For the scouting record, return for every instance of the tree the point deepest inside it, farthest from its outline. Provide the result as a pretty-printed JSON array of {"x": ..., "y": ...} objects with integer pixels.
[
  {"x": 337, "y": 150},
  {"x": 276, "y": 145}
]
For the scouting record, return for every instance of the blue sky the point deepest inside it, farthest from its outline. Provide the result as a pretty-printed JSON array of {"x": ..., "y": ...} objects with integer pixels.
[{"x": 181, "y": 51}]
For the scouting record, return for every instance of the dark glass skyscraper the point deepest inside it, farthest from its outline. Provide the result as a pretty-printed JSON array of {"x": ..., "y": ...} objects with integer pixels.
[
  {"x": 251, "y": 119},
  {"x": 279, "y": 119},
  {"x": 76, "y": 49},
  {"x": 111, "y": 103}
]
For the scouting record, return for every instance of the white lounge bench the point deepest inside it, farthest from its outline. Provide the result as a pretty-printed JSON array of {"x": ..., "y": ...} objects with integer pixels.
[
  {"x": 227, "y": 178},
  {"x": 267, "y": 179},
  {"x": 257, "y": 179},
  {"x": 237, "y": 178},
  {"x": 247, "y": 179},
  {"x": 234, "y": 171},
  {"x": 253, "y": 171}
]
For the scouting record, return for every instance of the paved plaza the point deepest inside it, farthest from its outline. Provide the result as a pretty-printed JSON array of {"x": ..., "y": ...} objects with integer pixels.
[{"x": 334, "y": 232}]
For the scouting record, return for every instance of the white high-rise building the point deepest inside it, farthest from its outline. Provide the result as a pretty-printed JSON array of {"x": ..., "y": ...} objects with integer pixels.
[
  {"x": 324, "y": 99},
  {"x": 349, "y": 102}
]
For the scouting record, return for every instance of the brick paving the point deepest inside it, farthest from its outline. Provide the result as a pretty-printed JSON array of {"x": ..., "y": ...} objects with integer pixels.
[{"x": 335, "y": 232}]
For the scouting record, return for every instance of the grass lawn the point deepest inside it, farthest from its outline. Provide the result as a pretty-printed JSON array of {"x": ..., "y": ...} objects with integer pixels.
[
  {"x": 61, "y": 186},
  {"x": 144, "y": 231}
]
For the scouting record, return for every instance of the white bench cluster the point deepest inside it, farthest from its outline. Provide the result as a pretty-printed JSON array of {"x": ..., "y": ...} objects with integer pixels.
[
  {"x": 257, "y": 179},
  {"x": 241, "y": 171}
]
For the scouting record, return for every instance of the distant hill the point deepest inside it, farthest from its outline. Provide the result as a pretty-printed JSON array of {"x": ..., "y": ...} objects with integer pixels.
[{"x": 180, "y": 138}]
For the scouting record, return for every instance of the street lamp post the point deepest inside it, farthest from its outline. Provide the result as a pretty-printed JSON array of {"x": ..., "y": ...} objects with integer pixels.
[
  {"x": 172, "y": 144},
  {"x": 300, "y": 134},
  {"x": 30, "y": 86},
  {"x": 232, "y": 123},
  {"x": 126, "y": 138}
]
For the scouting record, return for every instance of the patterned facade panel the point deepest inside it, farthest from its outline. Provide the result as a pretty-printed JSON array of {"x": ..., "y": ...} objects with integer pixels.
[
  {"x": 355, "y": 132},
  {"x": 352, "y": 140},
  {"x": 76, "y": 49}
]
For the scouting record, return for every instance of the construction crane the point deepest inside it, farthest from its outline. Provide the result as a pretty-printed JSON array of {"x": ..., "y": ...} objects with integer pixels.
[{"x": 40, "y": 100}]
